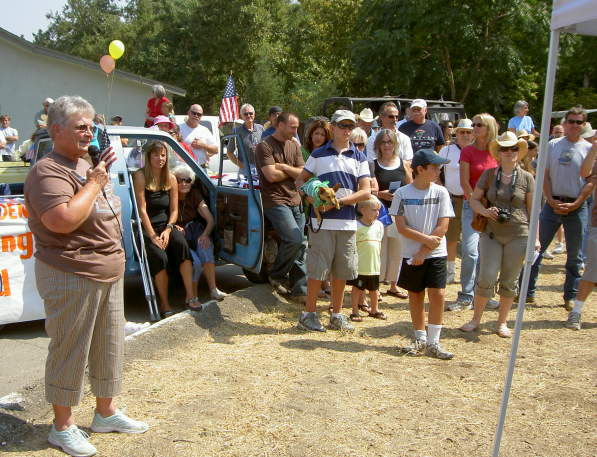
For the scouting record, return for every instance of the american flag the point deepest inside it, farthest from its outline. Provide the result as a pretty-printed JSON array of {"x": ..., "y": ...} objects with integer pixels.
[{"x": 229, "y": 111}]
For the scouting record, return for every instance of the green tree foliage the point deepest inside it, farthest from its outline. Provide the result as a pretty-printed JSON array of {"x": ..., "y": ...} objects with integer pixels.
[{"x": 484, "y": 53}]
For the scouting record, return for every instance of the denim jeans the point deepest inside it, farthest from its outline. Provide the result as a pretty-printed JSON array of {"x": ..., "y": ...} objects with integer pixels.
[
  {"x": 469, "y": 250},
  {"x": 289, "y": 224},
  {"x": 574, "y": 230}
]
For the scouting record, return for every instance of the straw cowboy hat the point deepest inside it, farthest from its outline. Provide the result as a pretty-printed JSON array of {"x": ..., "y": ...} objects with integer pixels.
[
  {"x": 507, "y": 140},
  {"x": 587, "y": 131},
  {"x": 525, "y": 135},
  {"x": 367, "y": 115}
]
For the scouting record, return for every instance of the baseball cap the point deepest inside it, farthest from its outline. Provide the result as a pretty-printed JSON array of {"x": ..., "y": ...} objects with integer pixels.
[
  {"x": 275, "y": 109},
  {"x": 418, "y": 102},
  {"x": 427, "y": 156},
  {"x": 163, "y": 120},
  {"x": 48, "y": 100},
  {"x": 343, "y": 115}
]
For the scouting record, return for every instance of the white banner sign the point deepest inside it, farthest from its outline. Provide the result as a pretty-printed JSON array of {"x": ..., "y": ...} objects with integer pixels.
[{"x": 19, "y": 300}]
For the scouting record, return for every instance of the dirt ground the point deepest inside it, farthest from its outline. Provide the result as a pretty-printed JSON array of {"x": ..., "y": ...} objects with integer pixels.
[{"x": 251, "y": 384}]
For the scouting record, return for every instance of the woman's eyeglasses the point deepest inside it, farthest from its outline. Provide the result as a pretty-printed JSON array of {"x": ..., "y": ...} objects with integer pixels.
[
  {"x": 86, "y": 128},
  {"x": 185, "y": 180},
  {"x": 359, "y": 145},
  {"x": 575, "y": 121},
  {"x": 478, "y": 124},
  {"x": 511, "y": 148}
]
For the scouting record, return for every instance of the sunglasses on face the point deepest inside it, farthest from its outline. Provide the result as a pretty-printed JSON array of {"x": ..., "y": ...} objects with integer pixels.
[
  {"x": 346, "y": 126},
  {"x": 478, "y": 124},
  {"x": 575, "y": 121},
  {"x": 511, "y": 148},
  {"x": 196, "y": 113},
  {"x": 359, "y": 145},
  {"x": 392, "y": 116},
  {"x": 185, "y": 180},
  {"x": 248, "y": 114},
  {"x": 83, "y": 128}
]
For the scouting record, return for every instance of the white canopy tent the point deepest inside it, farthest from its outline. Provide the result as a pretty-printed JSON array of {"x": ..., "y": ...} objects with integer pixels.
[{"x": 568, "y": 16}]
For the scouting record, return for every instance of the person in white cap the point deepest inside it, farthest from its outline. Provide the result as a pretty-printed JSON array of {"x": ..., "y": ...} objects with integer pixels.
[
  {"x": 424, "y": 133},
  {"x": 332, "y": 243},
  {"x": 464, "y": 137},
  {"x": 44, "y": 111}
]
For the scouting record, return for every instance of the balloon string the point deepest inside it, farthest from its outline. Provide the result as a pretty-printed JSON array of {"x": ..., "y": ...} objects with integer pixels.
[{"x": 110, "y": 85}]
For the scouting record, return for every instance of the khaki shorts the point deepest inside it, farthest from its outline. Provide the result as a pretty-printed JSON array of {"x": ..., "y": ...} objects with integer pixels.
[
  {"x": 332, "y": 252},
  {"x": 590, "y": 273},
  {"x": 455, "y": 227}
]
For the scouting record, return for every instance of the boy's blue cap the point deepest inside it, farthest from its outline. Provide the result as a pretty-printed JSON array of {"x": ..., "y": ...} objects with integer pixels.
[{"x": 426, "y": 156}]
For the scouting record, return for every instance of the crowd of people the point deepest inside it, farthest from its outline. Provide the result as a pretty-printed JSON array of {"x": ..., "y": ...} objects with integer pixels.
[{"x": 400, "y": 195}]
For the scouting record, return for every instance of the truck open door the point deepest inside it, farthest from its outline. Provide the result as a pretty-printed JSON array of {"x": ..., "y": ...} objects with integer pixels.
[{"x": 239, "y": 212}]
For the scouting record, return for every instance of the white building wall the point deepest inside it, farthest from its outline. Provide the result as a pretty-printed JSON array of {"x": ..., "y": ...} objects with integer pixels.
[{"x": 26, "y": 79}]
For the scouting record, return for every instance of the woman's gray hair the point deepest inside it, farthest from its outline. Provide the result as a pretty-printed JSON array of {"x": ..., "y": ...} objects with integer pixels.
[
  {"x": 158, "y": 90},
  {"x": 65, "y": 107},
  {"x": 183, "y": 171},
  {"x": 520, "y": 104},
  {"x": 358, "y": 134},
  {"x": 245, "y": 106}
]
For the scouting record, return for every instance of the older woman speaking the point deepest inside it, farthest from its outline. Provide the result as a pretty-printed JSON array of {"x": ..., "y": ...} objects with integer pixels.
[{"x": 75, "y": 219}]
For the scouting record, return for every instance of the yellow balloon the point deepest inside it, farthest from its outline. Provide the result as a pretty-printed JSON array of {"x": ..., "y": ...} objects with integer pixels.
[{"x": 116, "y": 49}]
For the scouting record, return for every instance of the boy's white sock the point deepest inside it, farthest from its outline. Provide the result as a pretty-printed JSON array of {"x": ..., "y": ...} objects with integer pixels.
[
  {"x": 420, "y": 335},
  {"x": 451, "y": 266},
  {"x": 433, "y": 332},
  {"x": 578, "y": 305}
]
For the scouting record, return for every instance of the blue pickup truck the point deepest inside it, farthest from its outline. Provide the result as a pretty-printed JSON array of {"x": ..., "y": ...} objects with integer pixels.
[{"x": 239, "y": 235}]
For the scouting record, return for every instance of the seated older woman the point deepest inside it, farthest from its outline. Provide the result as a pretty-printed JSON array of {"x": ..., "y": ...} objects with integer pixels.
[
  {"x": 79, "y": 267},
  {"x": 156, "y": 192},
  {"x": 196, "y": 222}
]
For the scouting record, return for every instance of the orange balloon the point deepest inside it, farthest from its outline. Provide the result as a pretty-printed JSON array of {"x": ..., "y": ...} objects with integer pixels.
[{"x": 107, "y": 63}]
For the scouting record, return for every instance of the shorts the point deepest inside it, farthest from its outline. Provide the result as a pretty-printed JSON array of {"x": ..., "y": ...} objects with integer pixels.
[
  {"x": 365, "y": 282},
  {"x": 431, "y": 274},
  {"x": 455, "y": 227},
  {"x": 590, "y": 273},
  {"x": 332, "y": 252}
]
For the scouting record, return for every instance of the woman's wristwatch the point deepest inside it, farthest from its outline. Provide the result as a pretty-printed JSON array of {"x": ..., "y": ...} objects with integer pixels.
[{"x": 170, "y": 226}]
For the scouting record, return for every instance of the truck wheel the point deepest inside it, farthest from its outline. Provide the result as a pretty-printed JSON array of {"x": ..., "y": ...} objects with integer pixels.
[{"x": 257, "y": 278}]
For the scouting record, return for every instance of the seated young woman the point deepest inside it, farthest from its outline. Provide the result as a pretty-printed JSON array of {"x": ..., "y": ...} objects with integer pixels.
[
  {"x": 196, "y": 222},
  {"x": 156, "y": 192}
]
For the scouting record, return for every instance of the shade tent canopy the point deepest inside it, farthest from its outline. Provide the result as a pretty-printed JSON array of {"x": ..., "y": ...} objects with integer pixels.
[
  {"x": 568, "y": 16},
  {"x": 575, "y": 16}
]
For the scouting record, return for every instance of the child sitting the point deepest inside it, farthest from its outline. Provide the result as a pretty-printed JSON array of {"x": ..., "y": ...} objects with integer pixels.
[
  {"x": 422, "y": 211},
  {"x": 369, "y": 235}
]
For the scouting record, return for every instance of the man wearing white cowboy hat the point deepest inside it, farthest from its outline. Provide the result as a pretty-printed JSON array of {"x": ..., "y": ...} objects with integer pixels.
[
  {"x": 365, "y": 120},
  {"x": 464, "y": 137},
  {"x": 566, "y": 192}
]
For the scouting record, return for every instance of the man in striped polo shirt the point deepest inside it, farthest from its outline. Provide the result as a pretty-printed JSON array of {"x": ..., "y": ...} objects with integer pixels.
[{"x": 332, "y": 246}]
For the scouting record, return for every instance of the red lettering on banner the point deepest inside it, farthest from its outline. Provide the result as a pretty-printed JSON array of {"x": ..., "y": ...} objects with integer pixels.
[
  {"x": 4, "y": 284},
  {"x": 13, "y": 211},
  {"x": 22, "y": 242}
]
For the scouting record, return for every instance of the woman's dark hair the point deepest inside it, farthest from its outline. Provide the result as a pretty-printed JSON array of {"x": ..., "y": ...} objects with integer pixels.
[{"x": 317, "y": 124}]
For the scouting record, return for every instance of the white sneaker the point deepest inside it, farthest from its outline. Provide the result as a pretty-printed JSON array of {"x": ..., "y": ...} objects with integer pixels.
[
  {"x": 547, "y": 255},
  {"x": 559, "y": 249},
  {"x": 118, "y": 422},
  {"x": 134, "y": 327},
  {"x": 72, "y": 441}
]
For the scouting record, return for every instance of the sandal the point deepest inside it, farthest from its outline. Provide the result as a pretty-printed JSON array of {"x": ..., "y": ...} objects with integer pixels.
[
  {"x": 167, "y": 314},
  {"x": 470, "y": 326},
  {"x": 365, "y": 308},
  {"x": 398, "y": 294},
  {"x": 356, "y": 317},
  {"x": 378, "y": 315},
  {"x": 193, "y": 304}
]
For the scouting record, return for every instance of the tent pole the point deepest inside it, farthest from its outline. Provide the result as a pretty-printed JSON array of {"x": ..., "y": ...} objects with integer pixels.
[{"x": 554, "y": 44}]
